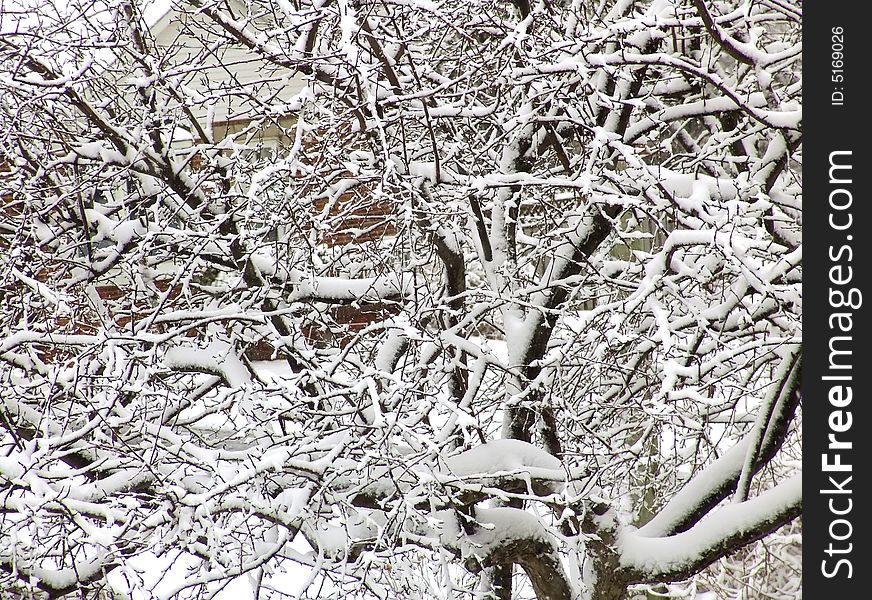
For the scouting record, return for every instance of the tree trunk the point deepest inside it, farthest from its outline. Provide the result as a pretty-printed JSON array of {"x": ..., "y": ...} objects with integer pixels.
[
  {"x": 609, "y": 586},
  {"x": 610, "y": 580}
]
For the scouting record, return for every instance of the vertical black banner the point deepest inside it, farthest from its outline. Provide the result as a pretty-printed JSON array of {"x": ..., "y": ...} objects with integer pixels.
[{"x": 836, "y": 366}]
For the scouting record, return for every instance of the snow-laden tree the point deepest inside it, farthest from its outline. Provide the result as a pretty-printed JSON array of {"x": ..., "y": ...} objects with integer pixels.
[{"x": 528, "y": 274}]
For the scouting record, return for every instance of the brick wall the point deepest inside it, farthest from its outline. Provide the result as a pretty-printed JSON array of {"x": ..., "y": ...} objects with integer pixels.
[{"x": 366, "y": 222}]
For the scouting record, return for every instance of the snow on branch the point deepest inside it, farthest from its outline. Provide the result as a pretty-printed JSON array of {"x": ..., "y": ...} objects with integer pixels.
[
  {"x": 726, "y": 529},
  {"x": 219, "y": 358},
  {"x": 715, "y": 481},
  {"x": 573, "y": 226},
  {"x": 504, "y": 455},
  {"x": 509, "y": 536}
]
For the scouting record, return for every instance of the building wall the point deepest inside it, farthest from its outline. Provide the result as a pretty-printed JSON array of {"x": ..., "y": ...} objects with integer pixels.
[{"x": 227, "y": 84}]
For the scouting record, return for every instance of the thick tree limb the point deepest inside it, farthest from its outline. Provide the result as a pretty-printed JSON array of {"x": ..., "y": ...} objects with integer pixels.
[{"x": 729, "y": 528}]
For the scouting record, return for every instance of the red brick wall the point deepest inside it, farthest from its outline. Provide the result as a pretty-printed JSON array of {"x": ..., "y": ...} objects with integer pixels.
[{"x": 368, "y": 221}]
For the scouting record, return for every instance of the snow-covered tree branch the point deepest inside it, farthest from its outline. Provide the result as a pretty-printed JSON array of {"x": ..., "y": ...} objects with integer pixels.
[{"x": 400, "y": 298}]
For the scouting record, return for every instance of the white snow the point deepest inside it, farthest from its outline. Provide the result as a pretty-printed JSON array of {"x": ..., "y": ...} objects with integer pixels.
[
  {"x": 656, "y": 554},
  {"x": 494, "y": 528},
  {"x": 498, "y": 525},
  {"x": 218, "y": 358},
  {"x": 505, "y": 456},
  {"x": 292, "y": 449}
]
